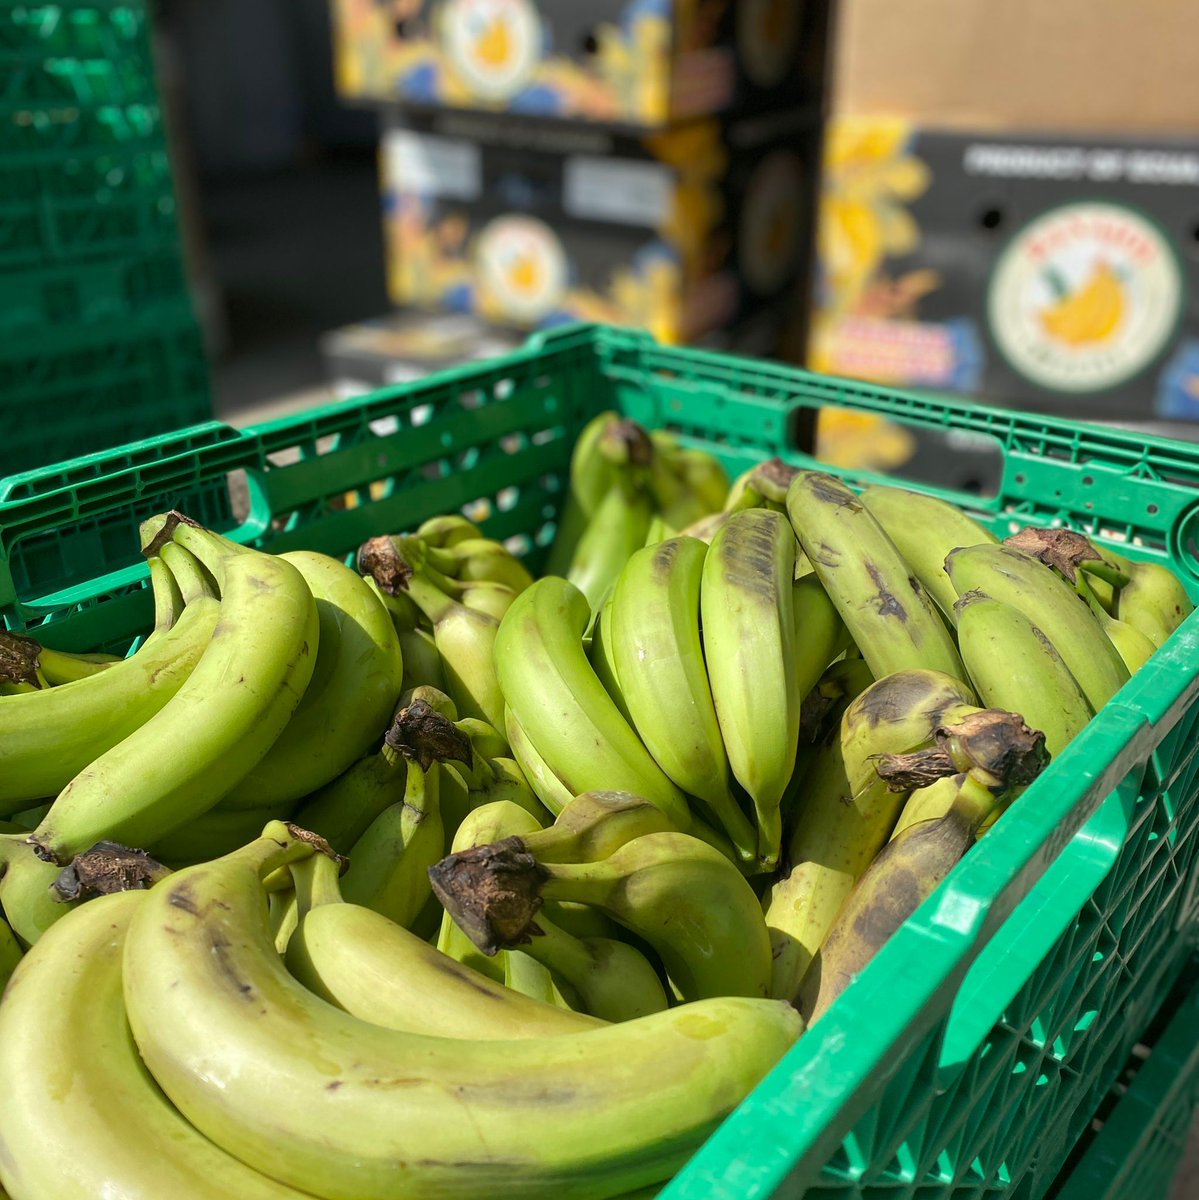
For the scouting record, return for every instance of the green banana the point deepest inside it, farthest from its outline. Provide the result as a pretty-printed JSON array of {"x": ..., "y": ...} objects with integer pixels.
[
  {"x": 1134, "y": 647},
  {"x": 448, "y": 531},
  {"x": 481, "y": 560},
  {"x": 350, "y": 698},
  {"x": 907, "y": 871},
  {"x": 1154, "y": 599},
  {"x": 747, "y": 612},
  {"x": 224, "y": 719},
  {"x": 677, "y": 893},
  {"x": 463, "y": 1106},
  {"x": 591, "y": 475},
  {"x": 193, "y": 578},
  {"x": 87, "y": 1120},
  {"x": 601, "y": 656},
  {"x": 847, "y": 812},
  {"x": 10, "y": 954},
  {"x": 593, "y": 826},
  {"x": 48, "y": 737},
  {"x": 342, "y": 811},
  {"x": 619, "y": 527},
  {"x": 614, "y": 981},
  {"x": 885, "y": 609},
  {"x": 560, "y": 704},
  {"x": 389, "y": 863},
  {"x": 1051, "y": 605},
  {"x": 376, "y": 970},
  {"x": 547, "y": 787},
  {"x": 928, "y": 803},
  {"x": 464, "y": 638},
  {"x": 659, "y": 660},
  {"x": 701, "y": 471},
  {"x": 1014, "y": 666},
  {"x": 925, "y": 530},
  {"x": 214, "y": 833}
]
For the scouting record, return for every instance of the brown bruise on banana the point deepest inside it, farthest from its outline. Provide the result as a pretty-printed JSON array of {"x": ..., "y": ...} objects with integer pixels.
[
  {"x": 888, "y": 603},
  {"x": 897, "y": 696},
  {"x": 773, "y": 478},
  {"x": 830, "y": 490}
]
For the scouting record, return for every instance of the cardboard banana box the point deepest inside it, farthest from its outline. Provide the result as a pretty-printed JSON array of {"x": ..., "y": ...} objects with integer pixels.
[{"x": 1053, "y": 273}]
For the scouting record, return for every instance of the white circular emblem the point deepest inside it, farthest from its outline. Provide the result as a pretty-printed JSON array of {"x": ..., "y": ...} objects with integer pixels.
[
  {"x": 493, "y": 45},
  {"x": 1084, "y": 297},
  {"x": 522, "y": 268}
]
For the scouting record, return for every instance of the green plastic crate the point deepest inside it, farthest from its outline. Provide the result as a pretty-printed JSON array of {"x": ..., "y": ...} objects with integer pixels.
[
  {"x": 967, "y": 1060},
  {"x": 69, "y": 388},
  {"x": 1137, "y": 1152}
]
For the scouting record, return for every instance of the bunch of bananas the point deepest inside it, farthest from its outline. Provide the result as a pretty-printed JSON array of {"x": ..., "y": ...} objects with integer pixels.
[{"x": 510, "y": 886}]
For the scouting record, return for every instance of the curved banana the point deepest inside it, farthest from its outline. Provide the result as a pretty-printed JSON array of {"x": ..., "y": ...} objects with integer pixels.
[
  {"x": 925, "y": 530},
  {"x": 1154, "y": 599},
  {"x": 602, "y": 657},
  {"x": 1051, "y": 605},
  {"x": 448, "y": 530},
  {"x": 847, "y": 812},
  {"x": 1134, "y": 647},
  {"x": 747, "y": 611},
  {"x": 928, "y": 803},
  {"x": 481, "y": 560},
  {"x": 613, "y": 980},
  {"x": 1014, "y": 666},
  {"x": 376, "y": 970},
  {"x": 547, "y": 787},
  {"x": 87, "y": 1120},
  {"x": 222, "y": 722},
  {"x": 617, "y": 529},
  {"x": 680, "y": 895},
  {"x": 566, "y": 715},
  {"x": 348, "y": 1127},
  {"x": 885, "y": 609},
  {"x": 593, "y": 826},
  {"x": 907, "y": 871},
  {"x": 591, "y": 475},
  {"x": 357, "y": 679},
  {"x": 659, "y": 659},
  {"x": 464, "y": 638},
  {"x": 48, "y": 737}
]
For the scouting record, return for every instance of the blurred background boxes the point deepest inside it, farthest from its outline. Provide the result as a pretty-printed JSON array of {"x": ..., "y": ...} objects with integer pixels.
[
  {"x": 1009, "y": 204},
  {"x": 617, "y": 62},
  {"x": 531, "y": 224}
]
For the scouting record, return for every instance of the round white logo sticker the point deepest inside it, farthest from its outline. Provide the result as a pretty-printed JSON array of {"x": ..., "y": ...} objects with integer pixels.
[
  {"x": 1084, "y": 297},
  {"x": 522, "y": 269},
  {"x": 493, "y": 45}
]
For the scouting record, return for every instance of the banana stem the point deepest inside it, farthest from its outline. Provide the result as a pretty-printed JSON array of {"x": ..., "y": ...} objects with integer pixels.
[
  {"x": 20, "y": 658},
  {"x": 425, "y": 737},
  {"x": 105, "y": 868},
  {"x": 316, "y": 883}
]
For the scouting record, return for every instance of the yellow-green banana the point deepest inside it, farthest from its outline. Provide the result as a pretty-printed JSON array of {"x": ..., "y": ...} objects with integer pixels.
[
  {"x": 374, "y": 969},
  {"x": 885, "y": 608},
  {"x": 566, "y": 716},
  {"x": 547, "y": 787},
  {"x": 925, "y": 529},
  {"x": 677, "y": 893},
  {"x": 1051, "y": 605},
  {"x": 1154, "y": 600},
  {"x": 349, "y": 700},
  {"x": 48, "y": 737},
  {"x": 845, "y": 813},
  {"x": 87, "y": 1119},
  {"x": 591, "y": 475},
  {"x": 659, "y": 659},
  {"x": 619, "y": 527},
  {"x": 226, "y": 1036},
  {"x": 224, "y": 719},
  {"x": 907, "y": 871},
  {"x": 1014, "y": 666},
  {"x": 747, "y": 611}
]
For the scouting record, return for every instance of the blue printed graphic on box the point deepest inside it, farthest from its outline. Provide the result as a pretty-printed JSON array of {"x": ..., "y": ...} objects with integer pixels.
[{"x": 1178, "y": 387}]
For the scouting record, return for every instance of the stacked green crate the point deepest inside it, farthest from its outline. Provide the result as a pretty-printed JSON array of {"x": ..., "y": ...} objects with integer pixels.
[{"x": 98, "y": 341}]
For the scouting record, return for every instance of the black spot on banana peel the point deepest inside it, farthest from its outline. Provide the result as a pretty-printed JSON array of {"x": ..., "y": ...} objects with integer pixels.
[
  {"x": 772, "y": 478},
  {"x": 493, "y": 893},
  {"x": 105, "y": 868},
  {"x": 422, "y": 735},
  {"x": 888, "y": 603},
  {"x": 379, "y": 558},
  {"x": 20, "y": 658}
]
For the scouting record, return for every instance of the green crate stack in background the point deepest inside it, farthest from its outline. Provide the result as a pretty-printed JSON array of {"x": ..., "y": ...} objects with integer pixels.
[{"x": 98, "y": 341}]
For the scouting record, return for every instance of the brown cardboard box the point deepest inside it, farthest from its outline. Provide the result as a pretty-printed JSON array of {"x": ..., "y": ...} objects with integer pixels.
[{"x": 1103, "y": 66}]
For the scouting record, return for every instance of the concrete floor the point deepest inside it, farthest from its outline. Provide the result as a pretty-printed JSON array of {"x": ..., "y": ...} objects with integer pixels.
[{"x": 296, "y": 255}]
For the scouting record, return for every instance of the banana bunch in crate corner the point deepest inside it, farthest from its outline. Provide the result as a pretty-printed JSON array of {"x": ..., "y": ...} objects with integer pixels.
[{"x": 508, "y": 885}]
